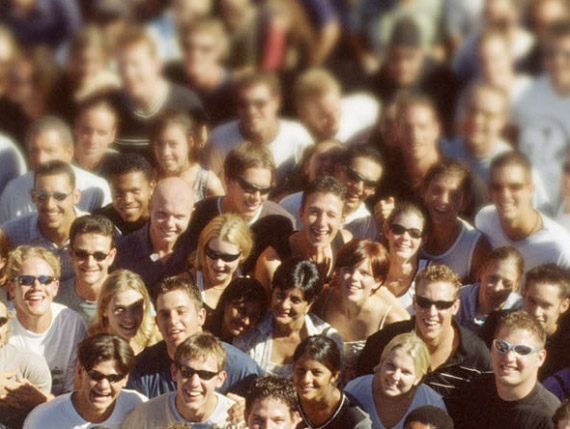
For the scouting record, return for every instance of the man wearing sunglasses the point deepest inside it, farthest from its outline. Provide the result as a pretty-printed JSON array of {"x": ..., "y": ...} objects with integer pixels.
[
  {"x": 456, "y": 354},
  {"x": 104, "y": 364},
  {"x": 511, "y": 397},
  {"x": 198, "y": 369}
]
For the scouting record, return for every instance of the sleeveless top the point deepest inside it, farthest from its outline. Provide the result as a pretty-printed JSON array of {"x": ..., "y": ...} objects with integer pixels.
[
  {"x": 407, "y": 299},
  {"x": 200, "y": 184}
]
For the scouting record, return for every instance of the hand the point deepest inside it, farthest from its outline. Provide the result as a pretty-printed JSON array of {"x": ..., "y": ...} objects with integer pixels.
[
  {"x": 5, "y": 378},
  {"x": 236, "y": 414},
  {"x": 383, "y": 209},
  {"x": 22, "y": 395}
]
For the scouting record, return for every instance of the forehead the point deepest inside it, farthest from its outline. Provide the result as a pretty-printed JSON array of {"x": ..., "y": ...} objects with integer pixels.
[
  {"x": 366, "y": 165},
  {"x": 488, "y": 98},
  {"x": 436, "y": 290},
  {"x": 292, "y": 292},
  {"x": 107, "y": 366},
  {"x": 46, "y": 138},
  {"x": 324, "y": 200},
  {"x": 270, "y": 406},
  {"x": 510, "y": 173},
  {"x": 35, "y": 264},
  {"x": 53, "y": 182},
  {"x": 208, "y": 362},
  {"x": 140, "y": 49},
  {"x": 418, "y": 112},
  {"x": 546, "y": 292},
  {"x": 257, "y": 175},
  {"x": 90, "y": 239},
  {"x": 447, "y": 180},
  {"x": 132, "y": 178},
  {"x": 171, "y": 205},
  {"x": 173, "y": 299},
  {"x": 515, "y": 335},
  {"x": 409, "y": 219}
]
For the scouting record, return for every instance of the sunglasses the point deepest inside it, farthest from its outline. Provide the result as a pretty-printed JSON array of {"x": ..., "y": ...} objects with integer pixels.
[
  {"x": 188, "y": 372},
  {"x": 84, "y": 254},
  {"x": 214, "y": 256},
  {"x": 426, "y": 303},
  {"x": 42, "y": 196},
  {"x": 398, "y": 229},
  {"x": 502, "y": 347},
  {"x": 30, "y": 280},
  {"x": 252, "y": 189},
  {"x": 97, "y": 376},
  {"x": 355, "y": 176},
  {"x": 3, "y": 321}
]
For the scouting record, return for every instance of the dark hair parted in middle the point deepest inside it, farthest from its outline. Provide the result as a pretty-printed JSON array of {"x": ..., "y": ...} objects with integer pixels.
[
  {"x": 322, "y": 349},
  {"x": 299, "y": 273},
  {"x": 358, "y": 250},
  {"x": 103, "y": 347}
]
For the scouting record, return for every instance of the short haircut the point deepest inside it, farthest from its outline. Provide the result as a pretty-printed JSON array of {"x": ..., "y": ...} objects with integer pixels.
[
  {"x": 504, "y": 254},
  {"x": 97, "y": 101},
  {"x": 248, "y": 155},
  {"x": 562, "y": 412},
  {"x": 201, "y": 346},
  {"x": 449, "y": 167},
  {"x": 477, "y": 86},
  {"x": 406, "y": 33},
  {"x": 314, "y": 83},
  {"x": 560, "y": 29},
  {"x": 299, "y": 273},
  {"x": 550, "y": 274},
  {"x": 136, "y": 35},
  {"x": 358, "y": 250},
  {"x": 324, "y": 185},
  {"x": 321, "y": 349},
  {"x": 415, "y": 348},
  {"x": 521, "y": 320},
  {"x": 48, "y": 123},
  {"x": 212, "y": 26},
  {"x": 271, "y": 387},
  {"x": 186, "y": 285},
  {"x": 175, "y": 117},
  {"x": 407, "y": 100},
  {"x": 364, "y": 150},
  {"x": 439, "y": 273},
  {"x": 513, "y": 158},
  {"x": 55, "y": 168},
  {"x": 430, "y": 415},
  {"x": 126, "y": 163},
  {"x": 253, "y": 78},
  {"x": 92, "y": 224},
  {"x": 104, "y": 347},
  {"x": 406, "y": 207},
  {"x": 21, "y": 253}
]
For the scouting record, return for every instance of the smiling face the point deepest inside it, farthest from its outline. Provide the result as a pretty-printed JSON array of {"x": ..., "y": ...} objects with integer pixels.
[
  {"x": 47, "y": 145},
  {"x": 216, "y": 271},
  {"x": 139, "y": 69},
  {"x": 432, "y": 323},
  {"x": 172, "y": 150},
  {"x": 321, "y": 114},
  {"x": 545, "y": 302},
  {"x": 131, "y": 195},
  {"x": 443, "y": 198},
  {"x": 511, "y": 192},
  {"x": 202, "y": 52},
  {"x": 404, "y": 246},
  {"x": 313, "y": 380},
  {"x": 241, "y": 316},
  {"x": 498, "y": 280},
  {"x": 98, "y": 397},
  {"x": 269, "y": 413},
  {"x": 358, "y": 178},
  {"x": 125, "y": 312},
  {"x": 54, "y": 214},
  {"x": 288, "y": 306},
  {"x": 397, "y": 373},
  {"x": 358, "y": 283},
  {"x": 322, "y": 217},
  {"x": 88, "y": 270},
  {"x": 247, "y": 202},
  {"x": 169, "y": 217},
  {"x": 418, "y": 132},
  {"x": 257, "y": 110}
]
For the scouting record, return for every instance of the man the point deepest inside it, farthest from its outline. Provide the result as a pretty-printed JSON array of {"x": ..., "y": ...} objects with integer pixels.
[
  {"x": 511, "y": 397},
  {"x": 179, "y": 315},
  {"x": 456, "y": 353},
  {"x": 55, "y": 195},
  {"x": 132, "y": 185},
  {"x": 42, "y": 326},
  {"x": 198, "y": 370},
  {"x": 12, "y": 161},
  {"x": 271, "y": 402},
  {"x": 50, "y": 139},
  {"x": 161, "y": 247},
  {"x": 258, "y": 96},
  {"x": 104, "y": 365},
  {"x": 512, "y": 221},
  {"x": 91, "y": 251},
  {"x": 249, "y": 172}
]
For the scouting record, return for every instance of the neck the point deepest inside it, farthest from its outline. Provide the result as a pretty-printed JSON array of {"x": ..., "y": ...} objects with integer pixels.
[
  {"x": 401, "y": 268},
  {"x": 418, "y": 168},
  {"x": 321, "y": 409},
  {"x": 87, "y": 412},
  {"x": 60, "y": 235},
  {"x": 150, "y": 98},
  {"x": 35, "y": 324},
  {"x": 290, "y": 329},
  {"x": 442, "y": 236},
  {"x": 263, "y": 136},
  {"x": 479, "y": 151},
  {"x": 200, "y": 415},
  {"x": 350, "y": 308},
  {"x": 160, "y": 247},
  {"x": 516, "y": 393},
  {"x": 88, "y": 292},
  {"x": 209, "y": 80},
  {"x": 88, "y": 163},
  {"x": 441, "y": 346},
  {"x": 523, "y": 226}
]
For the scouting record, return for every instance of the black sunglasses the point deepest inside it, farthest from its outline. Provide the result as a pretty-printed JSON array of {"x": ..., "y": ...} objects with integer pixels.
[
  {"x": 188, "y": 372},
  {"x": 42, "y": 196},
  {"x": 398, "y": 229},
  {"x": 226, "y": 257},
  {"x": 502, "y": 347},
  {"x": 252, "y": 189},
  {"x": 426, "y": 303},
  {"x": 30, "y": 280},
  {"x": 355, "y": 176},
  {"x": 84, "y": 254},
  {"x": 3, "y": 321},
  {"x": 97, "y": 376}
]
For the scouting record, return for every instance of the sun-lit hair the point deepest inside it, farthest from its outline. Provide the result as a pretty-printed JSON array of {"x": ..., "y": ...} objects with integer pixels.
[
  {"x": 136, "y": 35},
  {"x": 522, "y": 321},
  {"x": 414, "y": 347},
  {"x": 314, "y": 83},
  {"x": 271, "y": 387},
  {"x": 201, "y": 346},
  {"x": 358, "y": 250},
  {"x": 505, "y": 254},
  {"x": 21, "y": 253},
  {"x": 439, "y": 273}
]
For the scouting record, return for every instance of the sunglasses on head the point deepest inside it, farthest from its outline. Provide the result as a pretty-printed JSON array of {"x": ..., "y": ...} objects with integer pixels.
[
  {"x": 426, "y": 303},
  {"x": 252, "y": 189},
  {"x": 188, "y": 372},
  {"x": 502, "y": 347},
  {"x": 42, "y": 196},
  {"x": 30, "y": 280},
  {"x": 3, "y": 321},
  {"x": 214, "y": 256},
  {"x": 84, "y": 254},
  {"x": 98, "y": 376},
  {"x": 398, "y": 229},
  {"x": 355, "y": 176}
]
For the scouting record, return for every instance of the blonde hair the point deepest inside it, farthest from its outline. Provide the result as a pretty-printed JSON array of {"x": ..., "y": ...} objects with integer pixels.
[
  {"x": 314, "y": 83},
  {"x": 439, "y": 273},
  {"x": 21, "y": 253},
  {"x": 415, "y": 348}
]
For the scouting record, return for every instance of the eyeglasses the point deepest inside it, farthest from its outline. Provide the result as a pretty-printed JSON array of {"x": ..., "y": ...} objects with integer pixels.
[
  {"x": 398, "y": 229},
  {"x": 84, "y": 254},
  {"x": 251, "y": 188},
  {"x": 214, "y": 256},
  {"x": 188, "y": 372},
  {"x": 30, "y": 280},
  {"x": 3, "y": 321},
  {"x": 42, "y": 196},
  {"x": 426, "y": 303},
  {"x": 355, "y": 176},
  {"x": 502, "y": 347},
  {"x": 98, "y": 376}
]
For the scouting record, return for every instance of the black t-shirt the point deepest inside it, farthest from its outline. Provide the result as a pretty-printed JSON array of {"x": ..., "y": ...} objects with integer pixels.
[
  {"x": 113, "y": 215},
  {"x": 347, "y": 415},
  {"x": 13, "y": 122}
]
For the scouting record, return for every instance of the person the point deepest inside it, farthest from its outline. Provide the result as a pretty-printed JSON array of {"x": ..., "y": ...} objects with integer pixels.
[
  {"x": 296, "y": 285},
  {"x": 271, "y": 402},
  {"x": 452, "y": 241},
  {"x": 222, "y": 247},
  {"x": 456, "y": 354},
  {"x": 104, "y": 362},
  {"x": 405, "y": 230},
  {"x": 428, "y": 417},
  {"x": 512, "y": 396},
  {"x": 11, "y": 159},
  {"x": 241, "y": 307},
  {"x": 322, "y": 214},
  {"x": 512, "y": 221},
  {"x": 501, "y": 278},
  {"x": 397, "y": 387},
  {"x": 124, "y": 309},
  {"x": 92, "y": 251},
  {"x": 20, "y": 370},
  {"x": 562, "y": 214},
  {"x": 197, "y": 370},
  {"x": 561, "y": 417},
  {"x": 359, "y": 304},
  {"x": 41, "y": 325},
  {"x": 179, "y": 315},
  {"x": 160, "y": 248},
  {"x": 177, "y": 150},
  {"x": 50, "y": 139},
  {"x": 132, "y": 185}
]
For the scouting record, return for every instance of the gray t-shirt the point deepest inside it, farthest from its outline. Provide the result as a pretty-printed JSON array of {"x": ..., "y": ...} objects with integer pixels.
[{"x": 67, "y": 296}]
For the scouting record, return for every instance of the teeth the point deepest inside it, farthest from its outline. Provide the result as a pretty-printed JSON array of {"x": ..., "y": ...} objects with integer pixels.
[{"x": 430, "y": 322}]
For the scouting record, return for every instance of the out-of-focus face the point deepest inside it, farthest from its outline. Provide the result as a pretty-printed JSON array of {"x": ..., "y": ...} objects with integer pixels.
[
  {"x": 138, "y": 68},
  {"x": 202, "y": 53},
  {"x": 313, "y": 380},
  {"x": 405, "y": 64},
  {"x": 545, "y": 14},
  {"x": 169, "y": 217},
  {"x": 563, "y": 424},
  {"x": 269, "y": 413},
  {"x": 502, "y": 14},
  {"x": 22, "y": 85},
  {"x": 94, "y": 132},
  {"x": 557, "y": 64},
  {"x": 249, "y": 191},
  {"x": 288, "y": 305},
  {"x": 358, "y": 283},
  {"x": 54, "y": 198},
  {"x": 405, "y": 235},
  {"x": 418, "y": 132},
  {"x": 257, "y": 110},
  {"x": 232, "y": 11},
  {"x": 322, "y": 114},
  {"x": 544, "y": 302},
  {"x": 443, "y": 198},
  {"x": 397, "y": 373},
  {"x": 172, "y": 150},
  {"x": 326, "y": 160},
  {"x": 241, "y": 316},
  {"x": 495, "y": 60},
  {"x": 91, "y": 255},
  {"x": 46, "y": 146},
  {"x": 99, "y": 395},
  {"x": 498, "y": 280},
  {"x": 510, "y": 191},
  {"x": 217, "y": 271},
  {"x": 190, "y": 10},
  {"x": 433, "y": 322},
  {"x": 86, "y": 64},
  {"x": 131, "y": 195},
  {"x": 322, "y": 217},
  {"x": 389, "y": 125},
  {"x": 361, "y": 178},
  {"x": 124, "y": 313}
]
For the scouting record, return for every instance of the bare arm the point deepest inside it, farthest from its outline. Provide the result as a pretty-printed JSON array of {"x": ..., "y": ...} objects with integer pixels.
[
  {"x": 265, "y": 267},
  {"x": 214, "y": 186}
]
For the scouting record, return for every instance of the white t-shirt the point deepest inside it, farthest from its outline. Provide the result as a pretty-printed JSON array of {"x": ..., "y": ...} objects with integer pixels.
[
  {"x": 60, "y": 413},
  {"x": 57, "y": 344},
  {"x": 359, "y": 112}
]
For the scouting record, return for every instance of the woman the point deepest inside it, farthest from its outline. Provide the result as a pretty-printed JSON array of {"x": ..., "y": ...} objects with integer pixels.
[
  {"x": 240, "y": 308},
  {"x": 223, "y": 245},
  {"x": 359, "y": 305},
  {"x": 272, "y": 343},
  {"x": 396, "y": 387},
  {"x": 404, "y": 231},
  {"x": 123, "y": 309},
  {"x": 176, "y": 143},
  {"x": 316, "y": 372}
]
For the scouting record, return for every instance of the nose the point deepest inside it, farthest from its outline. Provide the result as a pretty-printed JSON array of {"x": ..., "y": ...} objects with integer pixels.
[
  {"x": 195, "y": 380},
  {"x": 128, "y": 197},
  {"x": 432, "y": 310}
]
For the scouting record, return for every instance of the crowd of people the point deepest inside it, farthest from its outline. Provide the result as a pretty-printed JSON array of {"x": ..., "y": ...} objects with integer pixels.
[{"x": 286, "y": 214}]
